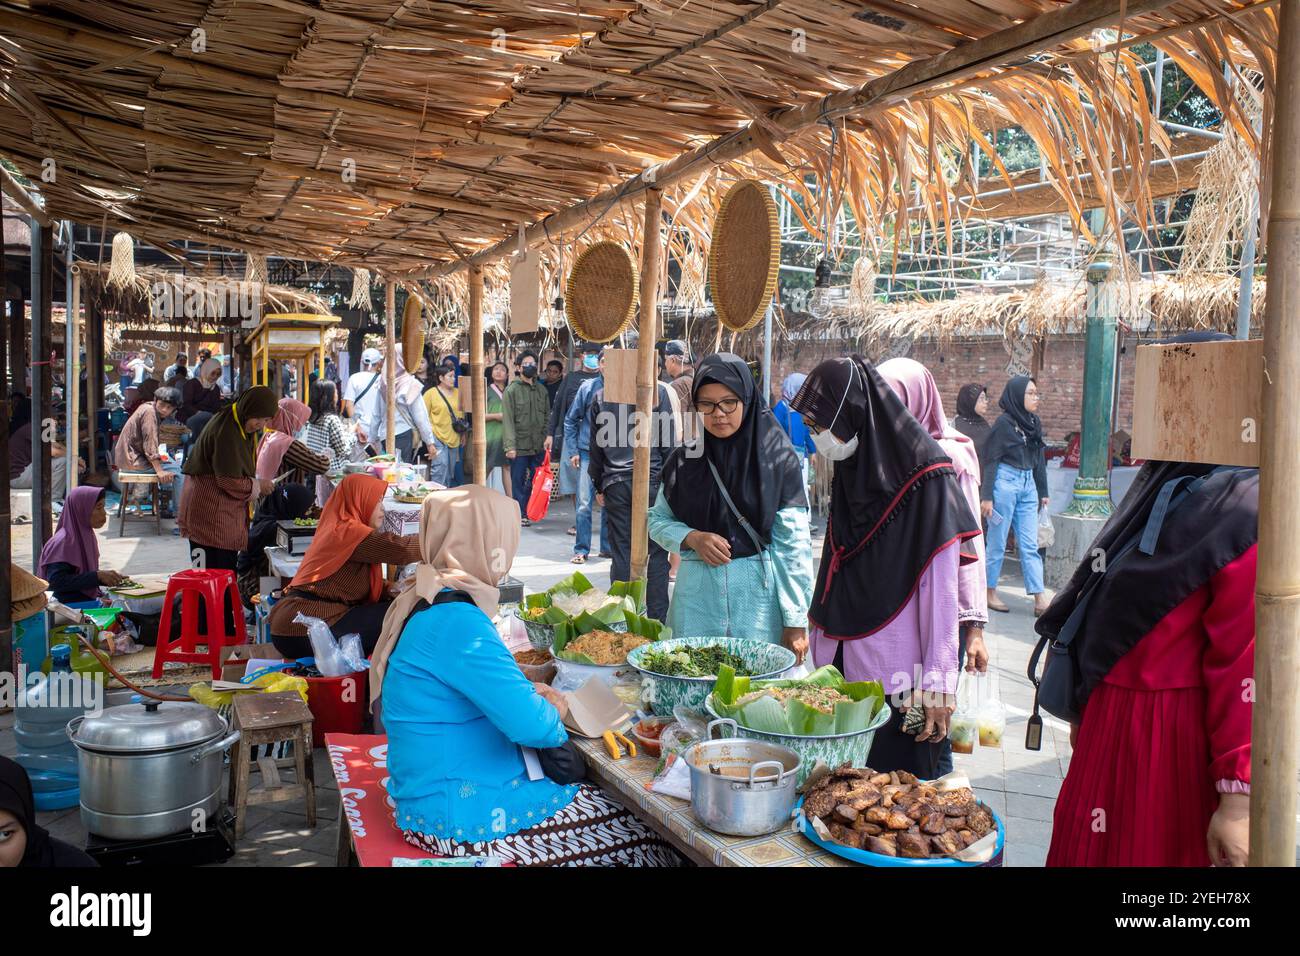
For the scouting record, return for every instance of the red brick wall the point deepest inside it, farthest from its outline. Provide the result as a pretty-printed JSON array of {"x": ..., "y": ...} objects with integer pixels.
[{"x": 985, "y": 360}]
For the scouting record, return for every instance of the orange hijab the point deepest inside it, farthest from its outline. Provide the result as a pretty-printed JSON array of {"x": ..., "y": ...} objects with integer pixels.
[{"x": 344, "y": 524}]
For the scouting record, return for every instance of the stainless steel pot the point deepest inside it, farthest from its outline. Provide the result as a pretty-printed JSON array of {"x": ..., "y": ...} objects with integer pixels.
[
  {"x": 150, "y": 770},
  {"x": 741, "y": 787}
]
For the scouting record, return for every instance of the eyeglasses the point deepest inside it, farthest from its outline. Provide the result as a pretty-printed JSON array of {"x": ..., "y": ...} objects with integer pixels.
[{"x": 726, "y": 406}]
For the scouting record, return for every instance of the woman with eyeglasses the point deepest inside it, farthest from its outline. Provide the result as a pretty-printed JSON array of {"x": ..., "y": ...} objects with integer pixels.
[
  {"x": 1014, "y": 488},
  {"x": 733, "y": 505}
]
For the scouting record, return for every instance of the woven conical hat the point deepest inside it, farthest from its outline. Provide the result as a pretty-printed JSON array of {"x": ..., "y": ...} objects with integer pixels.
[
  {"x": 23, "y": 585},
  {"x": 744, "y": 255},
  {"x": 600, "y": 297},
  {"x": 412, "y": 333}
]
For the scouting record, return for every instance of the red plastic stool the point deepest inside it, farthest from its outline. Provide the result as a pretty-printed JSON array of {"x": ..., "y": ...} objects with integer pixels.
[{"x": 211, "y": 587}]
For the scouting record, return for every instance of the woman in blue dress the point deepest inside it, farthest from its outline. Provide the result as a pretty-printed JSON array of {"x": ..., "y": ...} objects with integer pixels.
[
  {"x": 733, "y": 505},
  {"x": 457, "y": 710}
]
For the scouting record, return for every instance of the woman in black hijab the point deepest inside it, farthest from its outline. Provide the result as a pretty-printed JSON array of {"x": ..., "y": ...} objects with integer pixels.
[
  {"x": 1014, "y": 488},
  {"x": 287, "y": 502},
  {"x": 886, "y": 602},
  {"x": 972, "y": 402},
  {"x": 22, "y": 841},
  {"x": 733, "y": 505}
]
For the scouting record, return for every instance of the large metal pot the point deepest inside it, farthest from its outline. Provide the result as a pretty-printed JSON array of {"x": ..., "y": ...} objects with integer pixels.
[
  {"x": 150, "y": 770},
  {"x": 741, "y": 787}
]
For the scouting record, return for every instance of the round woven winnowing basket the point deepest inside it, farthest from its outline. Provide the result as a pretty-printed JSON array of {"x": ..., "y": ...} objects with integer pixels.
[
  {"x": 600, "y": 298},
  {"x": 412, "y": 333},
  {"x": 744, "y": 255}
]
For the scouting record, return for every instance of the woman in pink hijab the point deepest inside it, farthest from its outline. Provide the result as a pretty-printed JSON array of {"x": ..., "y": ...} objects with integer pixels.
[
  {"x": 913, "y": 383},
  {"x": 70, "y": 559},
  {"x": 280, "y": 452}
]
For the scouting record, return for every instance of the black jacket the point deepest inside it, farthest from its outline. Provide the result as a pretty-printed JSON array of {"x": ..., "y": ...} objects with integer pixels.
[
  {"x": 560, "y": 407},
  {"x": 1016, "y": 453},
  {"x": 611, "y": 439}
]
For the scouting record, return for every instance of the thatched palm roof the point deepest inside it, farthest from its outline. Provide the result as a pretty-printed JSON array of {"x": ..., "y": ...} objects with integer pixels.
[{"x": 405, "y": 135}]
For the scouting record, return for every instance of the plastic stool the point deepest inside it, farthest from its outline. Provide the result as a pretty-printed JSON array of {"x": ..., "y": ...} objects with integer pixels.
[{"x": 212, "y": 587}]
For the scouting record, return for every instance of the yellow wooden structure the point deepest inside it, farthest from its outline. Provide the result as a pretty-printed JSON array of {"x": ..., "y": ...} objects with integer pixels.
[{"x": 290, "y": 337}]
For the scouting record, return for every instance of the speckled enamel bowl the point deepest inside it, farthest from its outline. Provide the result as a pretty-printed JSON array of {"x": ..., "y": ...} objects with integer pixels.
[{"x": 662, "y": 693}]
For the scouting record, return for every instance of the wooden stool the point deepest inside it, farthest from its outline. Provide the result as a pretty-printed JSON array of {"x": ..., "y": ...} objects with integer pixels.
[
  {"x": 128, "y": 478},
  {"x": 269, "y": 719}
]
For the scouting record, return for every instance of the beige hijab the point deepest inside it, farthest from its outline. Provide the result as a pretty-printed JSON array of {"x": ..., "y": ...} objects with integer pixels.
[{"x": 468, "y": 539}]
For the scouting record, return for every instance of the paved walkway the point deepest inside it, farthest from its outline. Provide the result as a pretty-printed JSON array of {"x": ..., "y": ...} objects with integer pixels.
[{"x": 1020, "y": 785}]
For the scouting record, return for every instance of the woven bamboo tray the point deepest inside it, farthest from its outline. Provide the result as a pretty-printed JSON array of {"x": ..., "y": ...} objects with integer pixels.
[
  {"x": 412, "y": 333},
  {"x": 744, "y": 255},
  {"x": 600, "y": 297}
]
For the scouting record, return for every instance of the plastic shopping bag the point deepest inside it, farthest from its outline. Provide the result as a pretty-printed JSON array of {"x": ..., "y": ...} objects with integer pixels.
[
  {"x": 1046, "y": 530},
  {"x": 539, "y": 502}
]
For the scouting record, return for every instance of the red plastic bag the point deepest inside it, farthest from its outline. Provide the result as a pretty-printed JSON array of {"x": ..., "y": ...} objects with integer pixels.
[{"x": 539, "y": 502}]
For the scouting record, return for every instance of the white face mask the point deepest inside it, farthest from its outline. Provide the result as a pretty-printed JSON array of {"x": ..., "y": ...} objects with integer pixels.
[
  {"x": 827, "y": 445},
  {"x": 831, "y": 448}
]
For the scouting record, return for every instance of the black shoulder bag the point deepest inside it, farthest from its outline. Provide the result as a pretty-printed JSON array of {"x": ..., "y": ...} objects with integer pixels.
[{"x": 459, "y": 425}]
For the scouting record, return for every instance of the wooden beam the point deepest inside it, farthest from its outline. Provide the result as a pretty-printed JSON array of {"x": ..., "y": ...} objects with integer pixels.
[
  {"x": 42, "y": 258},
  {"x": 1276, "y": 708},
  {"x": 84, "y": 41},
  {"x": 996, "y": 50},
  {"x": 20, "y": 195},
  {"x": 478, "y": 386},
  {"x": 646, "y": 381}
]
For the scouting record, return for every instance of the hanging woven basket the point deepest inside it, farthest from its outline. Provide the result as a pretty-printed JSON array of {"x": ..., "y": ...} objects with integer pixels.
[
  {"x": 600, "y": 297},
  {"x": 412, "y": 333},
  {"x": 744, "y": 255}
]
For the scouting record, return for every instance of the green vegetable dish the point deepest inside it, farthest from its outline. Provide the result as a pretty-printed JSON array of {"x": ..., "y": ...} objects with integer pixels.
[{"x": 694, "y": 661}]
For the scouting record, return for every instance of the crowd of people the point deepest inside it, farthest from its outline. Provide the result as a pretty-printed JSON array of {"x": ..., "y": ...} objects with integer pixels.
[{"x": 921, "y": 508}]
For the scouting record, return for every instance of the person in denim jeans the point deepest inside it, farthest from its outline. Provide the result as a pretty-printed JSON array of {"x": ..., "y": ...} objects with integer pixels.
[
  {"x": 577, "y": 441},
  {"x": 1014, "y": 488}
]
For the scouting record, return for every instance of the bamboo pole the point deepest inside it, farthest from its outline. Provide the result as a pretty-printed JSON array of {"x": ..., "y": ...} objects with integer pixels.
[
  {"x": 72, "y": 368},
  {"x": 20, "y": 195},
  {"x": 390, "y": 364},
  {"x": 478, "y": 385},
  {"x": 646, "y": 380},
  {"x": 999, "y": 49},
  {"x": 1277, "y": 582}
]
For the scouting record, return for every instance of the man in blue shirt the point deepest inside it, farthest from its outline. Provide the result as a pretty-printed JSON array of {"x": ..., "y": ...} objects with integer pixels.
[
  {"x": 577, "y": 442},
  {"x": 793, "y": 423}
]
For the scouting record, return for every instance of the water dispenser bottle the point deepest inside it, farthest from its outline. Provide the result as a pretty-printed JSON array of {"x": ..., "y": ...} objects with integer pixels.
[{"x": 45, "y": 706}]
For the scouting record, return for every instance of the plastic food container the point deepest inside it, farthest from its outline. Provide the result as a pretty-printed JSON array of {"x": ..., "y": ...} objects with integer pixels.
[
  {"x": 647, "y": 733},
  {"x": 963, "y": 731}
]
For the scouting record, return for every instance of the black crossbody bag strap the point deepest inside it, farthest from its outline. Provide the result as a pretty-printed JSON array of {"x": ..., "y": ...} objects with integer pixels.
[{"x": 735, "y": 512}]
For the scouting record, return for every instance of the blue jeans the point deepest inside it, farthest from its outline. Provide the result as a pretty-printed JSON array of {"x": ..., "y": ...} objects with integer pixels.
[
  {"x": 585, "y": 498},
  {"x": 178, "y": 482},
  {"x": 522, "y": 468},
  {"x": 441, "y": 465},
  {"x": 1015, "y": 502},
  {"x": 458, "y": 465}
]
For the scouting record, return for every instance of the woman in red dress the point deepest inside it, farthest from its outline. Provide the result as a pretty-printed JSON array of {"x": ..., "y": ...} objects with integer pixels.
[{"x": 1163, "y": 658}]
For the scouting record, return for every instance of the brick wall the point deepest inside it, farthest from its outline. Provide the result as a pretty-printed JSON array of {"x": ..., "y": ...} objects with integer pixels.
[{"x": 985, "y": 360}]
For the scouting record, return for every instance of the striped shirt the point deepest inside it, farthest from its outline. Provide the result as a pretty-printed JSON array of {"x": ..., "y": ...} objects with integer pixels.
[
  {"x": 346, "y": 588},
  {"x": 214, "y": 511},
  {"x": 299, "y": 456}
]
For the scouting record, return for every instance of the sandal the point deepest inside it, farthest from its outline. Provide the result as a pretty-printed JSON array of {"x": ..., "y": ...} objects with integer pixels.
[
  {"x": 572, "y": 531},
  {"x": 578, "y": 559},
  {"x": 996, "y": 604}
]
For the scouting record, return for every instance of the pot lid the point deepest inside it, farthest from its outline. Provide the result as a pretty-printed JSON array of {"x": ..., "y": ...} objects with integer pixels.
[{"x": 148, "y": 727}]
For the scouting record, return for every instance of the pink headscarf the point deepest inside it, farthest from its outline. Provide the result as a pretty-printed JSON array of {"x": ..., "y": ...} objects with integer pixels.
[
  {"x": 74, "y": 541},
  {"x": 913, "y": 383},
  {"x": 292, "y": 415}
]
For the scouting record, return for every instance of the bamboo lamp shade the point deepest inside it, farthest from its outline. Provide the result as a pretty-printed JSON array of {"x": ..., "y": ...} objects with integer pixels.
[
  {"x": 744, "y": 255},
  {"x": 600, "y": 297},
  {"x": 412, "y": 333}
]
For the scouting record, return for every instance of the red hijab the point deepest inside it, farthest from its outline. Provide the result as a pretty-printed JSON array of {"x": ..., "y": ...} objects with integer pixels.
[{"x": 344, "y": 524}]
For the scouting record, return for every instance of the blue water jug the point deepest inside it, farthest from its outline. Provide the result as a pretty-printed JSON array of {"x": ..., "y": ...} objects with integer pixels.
[{"x": 45, "y": 706}]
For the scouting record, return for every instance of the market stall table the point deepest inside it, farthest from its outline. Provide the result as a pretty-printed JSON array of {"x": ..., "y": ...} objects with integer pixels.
[{"x": 626, "y": 779}]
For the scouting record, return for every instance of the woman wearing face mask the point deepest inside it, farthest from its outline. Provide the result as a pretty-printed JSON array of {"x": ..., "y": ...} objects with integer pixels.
[
  {"x": 1014, "y": 488},
  {"x": 886, "y": 603},
  {"x": 341, "y": 578},
  {"x": 746, "y": 567}
]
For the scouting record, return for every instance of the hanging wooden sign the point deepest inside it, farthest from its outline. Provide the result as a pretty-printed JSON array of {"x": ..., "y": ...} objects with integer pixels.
[{"x": 525, "y": 288}]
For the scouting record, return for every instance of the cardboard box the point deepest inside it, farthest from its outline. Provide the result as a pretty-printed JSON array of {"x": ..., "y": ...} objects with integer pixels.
[
  {"x": 234, "y": 660},
  {"x": 1198, "y": 402}
]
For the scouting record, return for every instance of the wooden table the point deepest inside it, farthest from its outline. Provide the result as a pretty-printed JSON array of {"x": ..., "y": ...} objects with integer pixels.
[{"x": 626, "y": 779}]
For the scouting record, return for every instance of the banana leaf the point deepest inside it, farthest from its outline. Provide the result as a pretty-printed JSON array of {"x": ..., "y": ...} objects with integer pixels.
[
  {"x": 768, "y": 715},
  {"x": 635, "y": 590},
  {"x": 576, "y": 583},
  {"x": 584, "y": 623}
]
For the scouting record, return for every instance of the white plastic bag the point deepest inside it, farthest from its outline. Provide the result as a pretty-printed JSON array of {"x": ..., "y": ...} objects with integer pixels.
[
  {"x": 331, "y": 659},
  {"x": 1046, "y": 530}
]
